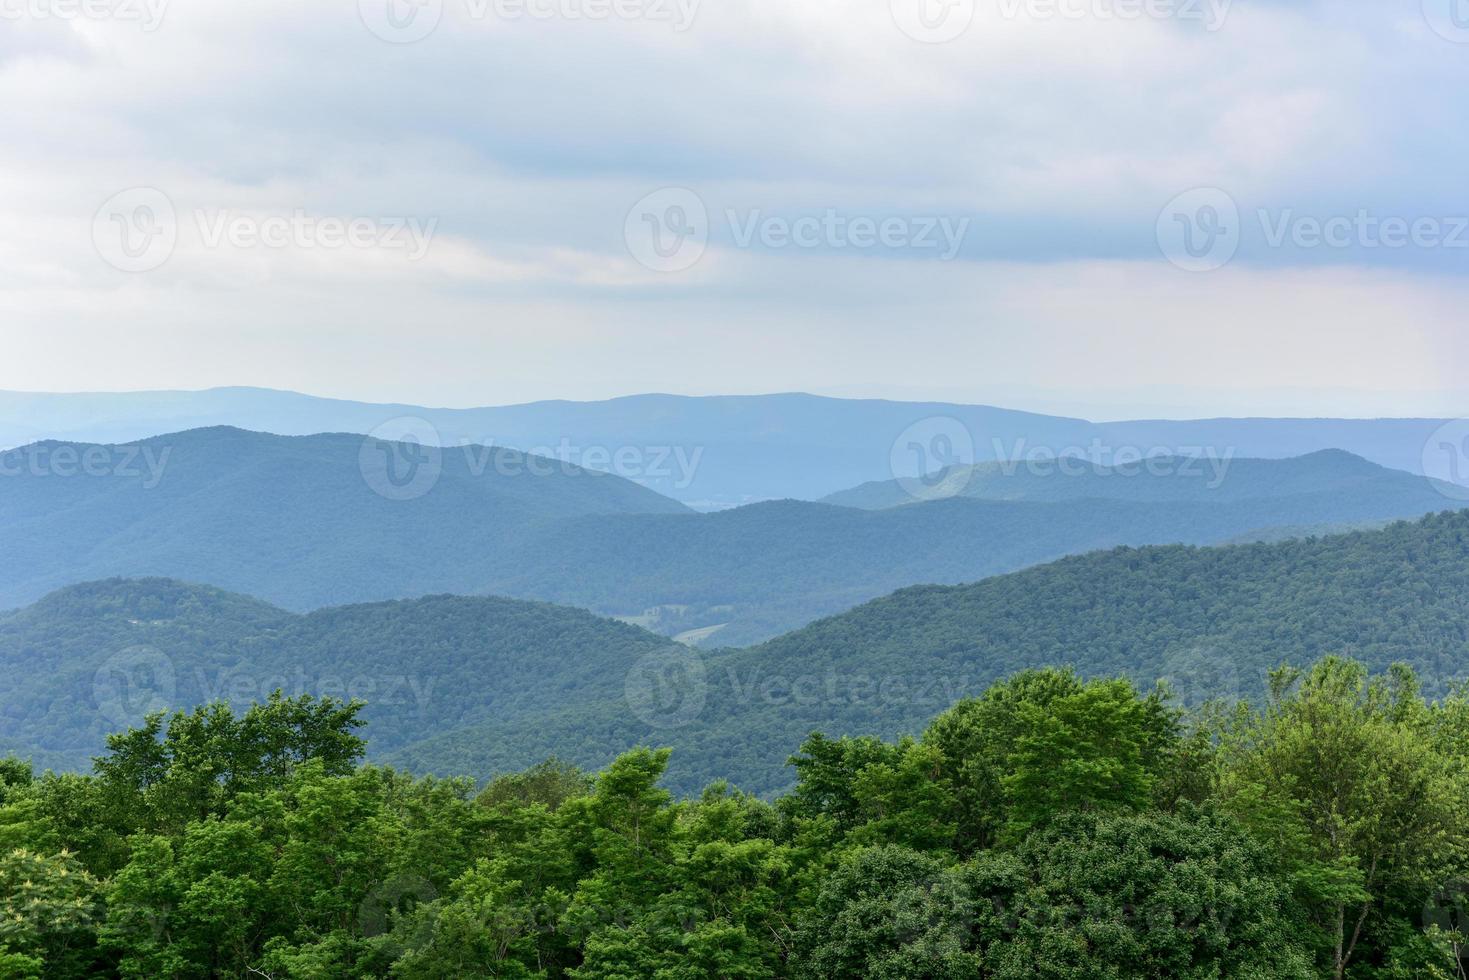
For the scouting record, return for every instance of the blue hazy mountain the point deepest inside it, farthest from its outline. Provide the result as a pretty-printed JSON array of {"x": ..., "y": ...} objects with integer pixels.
[
  {"x": 1202, "y": 479},
  {"x": 299, "y": 522},
  {"x": 714, "y": 451},
  {"x": 302, "y": 521}
]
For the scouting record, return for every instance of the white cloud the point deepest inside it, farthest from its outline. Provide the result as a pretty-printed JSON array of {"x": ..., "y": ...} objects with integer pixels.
[{"x": 526, "y": 142}]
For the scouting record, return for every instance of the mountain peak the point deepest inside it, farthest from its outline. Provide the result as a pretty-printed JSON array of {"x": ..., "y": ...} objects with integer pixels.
[{"x": 152, "y": 598}]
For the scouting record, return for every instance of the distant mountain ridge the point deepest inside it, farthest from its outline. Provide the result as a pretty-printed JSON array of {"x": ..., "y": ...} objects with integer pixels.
[
  {"x": 735, "y": 449},
  {"x": 303, "y": 521},
  {"x": 768, "y": 568},
  {"x": 312, "y": 521},
  {"x": 1205, "y": 478}
]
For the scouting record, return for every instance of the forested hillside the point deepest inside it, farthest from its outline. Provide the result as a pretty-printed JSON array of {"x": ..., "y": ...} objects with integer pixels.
[
  {"x": 479, "y": 685},
  {"x": 769, "y": 568},
  {"x": 89, "y": 658},
  {"x": 1210, "y": 620}
]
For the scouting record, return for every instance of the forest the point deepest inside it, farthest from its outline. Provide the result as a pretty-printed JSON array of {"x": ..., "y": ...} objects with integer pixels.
[
  {"x": 1051, "y": 826},
  {"x": 478, "y": 685},
  {"x": 1211, "y": 621}
]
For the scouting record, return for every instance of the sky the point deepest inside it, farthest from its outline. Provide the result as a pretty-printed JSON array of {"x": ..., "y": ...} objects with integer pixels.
[{"x": 1106, "y": 208}]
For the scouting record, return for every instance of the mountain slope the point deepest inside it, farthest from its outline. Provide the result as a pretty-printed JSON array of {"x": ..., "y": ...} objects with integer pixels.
[
  {"x": 1205, "y": 479},
  {"x": 473, "y": 685},
  {"x": 767, "y": 568},
  {"x": 300, "y": 521},
  {"x": 710, "y": 451},
  {"x": 305, "y": 522},
  {"x": 93, "y": 658},
  {"x": 1212, "y": 620}
]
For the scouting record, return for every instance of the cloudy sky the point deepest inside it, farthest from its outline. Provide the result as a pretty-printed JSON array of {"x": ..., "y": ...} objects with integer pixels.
[{"x": 1100, "y": 207}]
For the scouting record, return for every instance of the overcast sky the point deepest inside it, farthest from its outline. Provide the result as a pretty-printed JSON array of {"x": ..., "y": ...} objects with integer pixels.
[{"x": 1098, "y": 207}]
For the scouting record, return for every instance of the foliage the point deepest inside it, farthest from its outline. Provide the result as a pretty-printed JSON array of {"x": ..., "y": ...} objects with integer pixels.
[
  {"x": 1211, "y": 622},
  {"x": 1350, "y": 777},
  {"x": 1034, "y": 831},
  {"x": 484, "y": 686}
]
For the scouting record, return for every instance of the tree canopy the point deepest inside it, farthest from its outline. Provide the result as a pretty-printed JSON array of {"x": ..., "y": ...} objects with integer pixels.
[{"x": 1051, "y": 827}]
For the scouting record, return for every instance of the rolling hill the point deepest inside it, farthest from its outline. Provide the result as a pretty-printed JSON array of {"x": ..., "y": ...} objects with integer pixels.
[
  {"x": 1210, "y": 620},
  {"x": 306, "y": 522},
  {"x": 482, "y": 685},
  {"x": 300, "y": 521},
  {"x": 94, "y": 658},
  {"x": 1204, "y": 479},
  {"x": 768, "y": 568},
  {"x": 708, "y": 452}
]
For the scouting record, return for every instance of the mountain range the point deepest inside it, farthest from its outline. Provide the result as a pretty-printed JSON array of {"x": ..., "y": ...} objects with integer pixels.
[
  {"x": 310, "y": 521},
  {"x": 305, "y": 521},
  {"x": 95, "y": 657},
  {"x": 717, "y": 451},
  {"x": 1209, "y": 621},
  {"x": 484, "y": 685},
  {"x": 1160, "y": 479}
]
